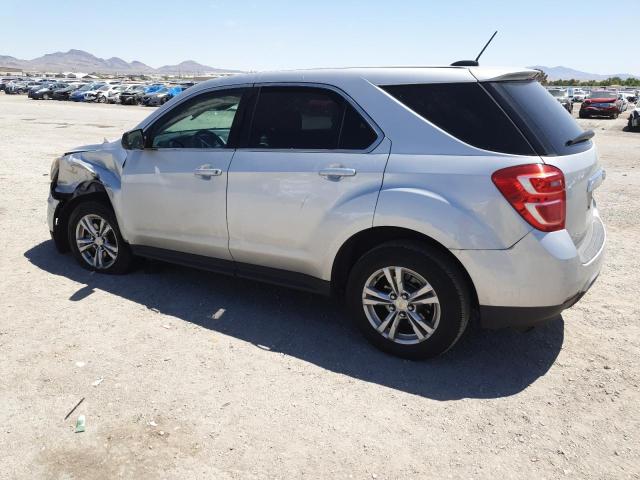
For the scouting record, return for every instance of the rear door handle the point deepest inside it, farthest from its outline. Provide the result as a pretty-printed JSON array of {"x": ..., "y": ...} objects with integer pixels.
[
  {"x": 206, "y": 171},
  {"x": 337, "y": 172}
]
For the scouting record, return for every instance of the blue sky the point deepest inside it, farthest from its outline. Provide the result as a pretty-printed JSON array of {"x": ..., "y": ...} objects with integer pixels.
[{"x": 296, "y": 34}]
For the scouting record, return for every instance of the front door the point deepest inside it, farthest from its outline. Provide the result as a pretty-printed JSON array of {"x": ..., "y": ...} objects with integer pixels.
[{"x": 174, "y": 190}]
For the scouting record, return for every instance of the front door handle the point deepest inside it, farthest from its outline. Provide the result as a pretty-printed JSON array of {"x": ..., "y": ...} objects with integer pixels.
[
  {"x": 337, "y": 172},
  {"x": 206, "y": 171}
]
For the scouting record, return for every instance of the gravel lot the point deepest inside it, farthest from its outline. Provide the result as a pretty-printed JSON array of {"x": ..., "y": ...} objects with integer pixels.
[{"x": 281, "y": 386}]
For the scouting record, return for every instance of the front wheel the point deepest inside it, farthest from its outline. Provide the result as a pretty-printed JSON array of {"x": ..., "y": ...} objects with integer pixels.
[
  {"x": 95, "y": 239},
  {"x": 409, "y": 300}
]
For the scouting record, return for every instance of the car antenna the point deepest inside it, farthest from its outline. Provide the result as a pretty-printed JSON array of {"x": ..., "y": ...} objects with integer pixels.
[{"x": 474, "y": 63}]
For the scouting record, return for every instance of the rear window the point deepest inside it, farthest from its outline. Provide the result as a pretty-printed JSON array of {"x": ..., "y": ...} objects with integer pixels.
[
  {"x": 467, "y": 112},
  {"x": 547, "y": 125}
]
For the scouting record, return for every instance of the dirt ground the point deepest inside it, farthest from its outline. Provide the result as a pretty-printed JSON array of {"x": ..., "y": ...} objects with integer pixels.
[{"x": 281, "y": 386}]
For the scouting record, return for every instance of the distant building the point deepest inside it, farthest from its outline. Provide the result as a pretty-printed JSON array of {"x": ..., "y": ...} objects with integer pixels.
[
  {"x": 76, "y": 75},
  {"x": 10, "y": 71}
]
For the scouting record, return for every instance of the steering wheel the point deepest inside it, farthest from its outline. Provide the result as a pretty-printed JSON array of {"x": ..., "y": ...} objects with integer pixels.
[
  {"x": 208, "y": 139},
  {"x": 173, "y": 143}
]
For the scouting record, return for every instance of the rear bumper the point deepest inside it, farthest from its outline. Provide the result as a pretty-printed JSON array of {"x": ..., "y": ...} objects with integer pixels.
[
  {"x": 537, "y": 278},
  {"x": 522, "y": 317}
]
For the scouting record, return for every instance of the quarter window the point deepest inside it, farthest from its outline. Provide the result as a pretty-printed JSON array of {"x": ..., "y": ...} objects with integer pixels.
[
  {"x": 307, "y": 118},
  {"x": 465, "y": 111},
  {"x": 202, "y": 122}
]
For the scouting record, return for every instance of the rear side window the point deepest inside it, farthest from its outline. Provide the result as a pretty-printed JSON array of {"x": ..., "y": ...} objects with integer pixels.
[
  {"x": 466, "y": 111},
  {"x": 307, "y": 118},
  {"x": 547, "y": 124}
]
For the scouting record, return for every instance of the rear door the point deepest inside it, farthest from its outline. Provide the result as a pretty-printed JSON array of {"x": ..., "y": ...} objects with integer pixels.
[{"x": 310, "y": 168}]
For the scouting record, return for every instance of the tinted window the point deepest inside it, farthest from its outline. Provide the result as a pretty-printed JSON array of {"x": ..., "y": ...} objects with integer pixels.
[
  {"x": 201, "y": 122},
  {"x": 465, "y": 111},
  {"x": 356, "y": 134},
  {"x": 547, "y": 124},
  {"x": 307, "y": 118}
]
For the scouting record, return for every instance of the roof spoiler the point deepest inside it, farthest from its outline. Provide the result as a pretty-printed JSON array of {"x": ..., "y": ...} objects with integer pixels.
[{"x": 504, "y": 75}]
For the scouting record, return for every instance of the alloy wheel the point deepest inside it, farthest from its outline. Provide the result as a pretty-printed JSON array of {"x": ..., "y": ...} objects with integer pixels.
[
  {"x": 401, "y": 305},
  {"x": 96, "y": 241}
]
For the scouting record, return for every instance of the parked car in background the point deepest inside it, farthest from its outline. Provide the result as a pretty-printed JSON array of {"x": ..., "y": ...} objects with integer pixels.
[
  {"x": 19, "y": 87},
  {"x": 562, "y": 96},
  {"x": 624, "y": 103},
  {"x": 114, "y": 94},
  {"x": 579, "y": 95},
  {"x": 601, "y": 103},
  {"x": 5, "y": 81},
  {"x": 634, "y": 118},
  {"x": 45, "y": 92},
  {"x": 87, "y": 93},
  {"x": 105, "y": 93},
  {"x": 154, "y": 87},
  {"x": 132, "y": 95},
  {"x": 161, "y": 96},
  {"x": 64, "y": 93},
  {"x": 360, "y": 182}
]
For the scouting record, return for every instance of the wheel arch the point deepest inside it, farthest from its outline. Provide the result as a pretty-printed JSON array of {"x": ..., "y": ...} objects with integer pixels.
[
  {"x": 84, "y": 192},
  {"x": 363, "y": 241}
]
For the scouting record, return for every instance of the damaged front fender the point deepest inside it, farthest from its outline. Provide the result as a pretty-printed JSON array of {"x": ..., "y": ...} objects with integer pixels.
[
  {"x": 92, "y": 172},
  {"x": 103, "y": 165}
]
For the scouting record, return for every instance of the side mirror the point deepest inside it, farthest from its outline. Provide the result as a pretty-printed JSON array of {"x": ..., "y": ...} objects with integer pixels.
[{"x": 133, "y": 140}]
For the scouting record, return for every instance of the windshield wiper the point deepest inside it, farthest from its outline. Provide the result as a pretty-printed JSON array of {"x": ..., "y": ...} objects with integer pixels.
[{"x": 583, "y": 137}]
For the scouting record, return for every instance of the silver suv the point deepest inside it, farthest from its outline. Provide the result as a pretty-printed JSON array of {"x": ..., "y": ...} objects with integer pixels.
[{"x": 425, "y": 196}]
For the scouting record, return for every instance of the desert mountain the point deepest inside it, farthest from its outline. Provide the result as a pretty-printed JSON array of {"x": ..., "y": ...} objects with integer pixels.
[
  {"x": 81, "y": 61},
  {"x": 565, "y": 73}
]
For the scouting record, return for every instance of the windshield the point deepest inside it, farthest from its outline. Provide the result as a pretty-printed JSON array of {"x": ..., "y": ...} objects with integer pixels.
[
  {"x": 603, "y": 94},
  {"x": 557, "y": 93},
  {"x": 104, "y": 88},
  {"x": 545, "y": 122}
]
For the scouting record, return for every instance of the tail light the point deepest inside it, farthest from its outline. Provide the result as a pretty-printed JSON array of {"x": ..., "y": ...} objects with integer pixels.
[{"x": 537, "y": 192}]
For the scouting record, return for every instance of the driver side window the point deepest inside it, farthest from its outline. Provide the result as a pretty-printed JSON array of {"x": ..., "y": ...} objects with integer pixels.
[{"x": 204, "y": 121}]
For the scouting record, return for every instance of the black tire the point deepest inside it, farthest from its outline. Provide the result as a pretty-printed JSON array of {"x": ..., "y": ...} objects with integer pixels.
[
  {"x": 582, "y": 115},
  {"x": 124, "y": 257},
  {"x": 445, "y": 276}
]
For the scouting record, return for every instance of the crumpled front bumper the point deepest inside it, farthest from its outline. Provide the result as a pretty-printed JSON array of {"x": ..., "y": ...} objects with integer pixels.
[{"x": 52, "y": 205}]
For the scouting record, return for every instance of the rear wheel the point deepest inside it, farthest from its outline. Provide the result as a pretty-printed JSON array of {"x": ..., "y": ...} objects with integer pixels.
[
  {"x": 95, "y": 239},
  {"x": 45, "y": 96},
  {"x": 409, "y": 300}
]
